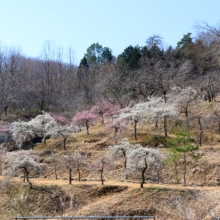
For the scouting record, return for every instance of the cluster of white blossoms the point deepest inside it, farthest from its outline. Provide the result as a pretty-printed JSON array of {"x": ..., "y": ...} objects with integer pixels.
[
  {"x": 136, "y": 157},
  {"x": 42, "y": 126},
  {"x": 21, "y": 161}
]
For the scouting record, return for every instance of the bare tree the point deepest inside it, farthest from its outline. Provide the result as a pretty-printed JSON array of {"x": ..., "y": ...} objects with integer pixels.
[
  {"x": 101, "y": 165},
  {"x": 155, "y": 40},
  {"x": 79, "y": 162}
]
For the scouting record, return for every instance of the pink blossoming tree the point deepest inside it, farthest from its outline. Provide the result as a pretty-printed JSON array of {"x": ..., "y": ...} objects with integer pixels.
[
  {"x": 84, "y": 118},
  {"x": 60, "y": 119},
  {"x": 104, "y": 108},
  {"x": 117, "y": 125}
]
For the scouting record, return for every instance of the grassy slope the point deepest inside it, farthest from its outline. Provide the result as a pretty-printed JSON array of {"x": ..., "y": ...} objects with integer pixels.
[{"x": 120, "y": 197}]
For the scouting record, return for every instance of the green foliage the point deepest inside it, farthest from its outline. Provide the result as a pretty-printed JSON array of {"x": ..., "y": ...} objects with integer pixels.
[
  {"x": 106, "y": 54},
  {"x": 132, "y": 56},
  {"x": 183, "y": 143},
  {"x": 181, "y": 147},
  {"x": 186, "y": 39},
  {"x": 96, "y": 54},
  {"x": 83, "y": 63}
]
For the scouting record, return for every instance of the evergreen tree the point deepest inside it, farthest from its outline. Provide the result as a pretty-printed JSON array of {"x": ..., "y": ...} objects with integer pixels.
[
  {"x": 132, "y": 56},
  {"x": 186, "y": 39},
  {"x": 96, "y": 54},
  {"x": 184, "y": 145}
]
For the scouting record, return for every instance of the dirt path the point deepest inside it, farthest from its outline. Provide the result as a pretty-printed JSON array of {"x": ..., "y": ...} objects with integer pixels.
[
  {"x": 100, "y": 201},
  {"x": 60, "y": 182}
]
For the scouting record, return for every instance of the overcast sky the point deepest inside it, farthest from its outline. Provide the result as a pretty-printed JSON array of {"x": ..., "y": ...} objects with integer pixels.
[{"x": 113, "y": 23}]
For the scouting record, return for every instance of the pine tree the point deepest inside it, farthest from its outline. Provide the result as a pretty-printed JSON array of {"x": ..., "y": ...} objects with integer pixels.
[{"x": 184, "y": 145}]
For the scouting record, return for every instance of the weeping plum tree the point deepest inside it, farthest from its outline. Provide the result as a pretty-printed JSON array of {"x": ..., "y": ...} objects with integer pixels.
[
  {"x": 140, "y": 159},
  {"x": 21, "y": 161},
  {"x": 132, "y": 114},
  {"x": 84, "y": 118},
  {"x": 121, "y": 150},
  {"x": 150, "y": 111},
  {"x": 62, "y": 131},
  {"x": 35, "y": 128},
  {"x": 184, "y": 98}
]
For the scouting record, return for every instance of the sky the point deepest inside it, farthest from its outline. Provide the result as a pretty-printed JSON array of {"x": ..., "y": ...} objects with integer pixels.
[{"x": 112, "y": 23}]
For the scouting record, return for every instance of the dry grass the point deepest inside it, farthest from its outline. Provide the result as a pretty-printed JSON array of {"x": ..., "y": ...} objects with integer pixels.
[{"x": 131, "y": 200}]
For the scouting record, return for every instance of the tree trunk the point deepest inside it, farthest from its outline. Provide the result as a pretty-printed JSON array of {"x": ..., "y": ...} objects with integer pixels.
[
  {"x": 156, "y": 123},
  {"x": 102, "y": 119},
  {"x": 78, "y": 172},
  {"x": 165, "y": 125},
  {"x": 102, "y": 176},
  {"x": 158, "y": 176},
  {"x": 143, "y": 176},
  {"x": 135, "y": 129},
  {"x": 164, "y": 96},
  {"x": 115, "y": 136},
  {"x": 30, "y": 184},
  {"x": 64, "y": 143},
  {"x": 24, "y": 176},
  {"x": 6, "y": 108},
  {"x": 55, "y": 172},
  {"x": 125, "y": 164},
  {"x": 27, "y": 176},
  {"x": 186, "y": 115},
  {"x": 209, "y": 97},
  {"x": 205, "y": 176},
  {"x": 201, "y": 131},
  {"x": 70, "y": 176},
  {"x": 87, "y": 128},
  {"x": 184, "y": 168}
]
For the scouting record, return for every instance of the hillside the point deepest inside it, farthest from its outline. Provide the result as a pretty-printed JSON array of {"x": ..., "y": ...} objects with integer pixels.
[{"x": 118, "y": 196}]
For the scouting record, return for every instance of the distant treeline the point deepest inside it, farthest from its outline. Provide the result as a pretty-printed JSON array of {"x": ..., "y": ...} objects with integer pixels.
[{"x": 51, "y": 83}]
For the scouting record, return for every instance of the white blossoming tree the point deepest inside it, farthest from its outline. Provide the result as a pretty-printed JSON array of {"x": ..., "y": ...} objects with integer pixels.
[
  {"x": 132, "y": 113},
  {"x": 140, "y": 159},
  {"x": 24, "y": 131},
  {"x": 61, "y": 131},
  {"x": 151, "y": 111},
  {"x": 21, "y": 161},
  {"x": 184, "y": 98},
  {"x": 121, "y": 150},
  {"x": 43, "y": 126}
]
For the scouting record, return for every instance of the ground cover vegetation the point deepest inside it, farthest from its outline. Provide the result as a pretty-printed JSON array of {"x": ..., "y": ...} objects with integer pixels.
[{"x": 136, "y": 134}]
